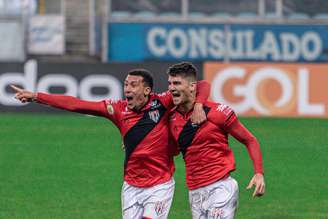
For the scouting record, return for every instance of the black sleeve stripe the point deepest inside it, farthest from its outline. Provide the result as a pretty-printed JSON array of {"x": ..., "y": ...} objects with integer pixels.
[
  {"x": 141, "y": 129},
  {"x": 229, "y": 117},
  {"x": 188, "y": 133}
]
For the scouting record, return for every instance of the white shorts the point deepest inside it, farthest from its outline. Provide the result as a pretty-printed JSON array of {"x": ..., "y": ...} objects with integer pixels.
[
  {"x": 215, "y": 201},
  {"x": 154, "y": 202}
]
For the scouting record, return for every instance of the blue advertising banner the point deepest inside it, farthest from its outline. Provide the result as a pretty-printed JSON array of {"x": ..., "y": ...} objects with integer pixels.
[{"x": 199, "y": 42}]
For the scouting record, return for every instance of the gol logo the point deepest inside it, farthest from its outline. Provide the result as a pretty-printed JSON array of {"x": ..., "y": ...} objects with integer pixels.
[{"x": 265, "y": 90}]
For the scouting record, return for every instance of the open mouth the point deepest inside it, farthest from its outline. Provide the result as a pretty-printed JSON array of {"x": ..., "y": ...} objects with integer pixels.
[
  {"x": 176, "y": 95},
  {"x": 129, "y": 98}
]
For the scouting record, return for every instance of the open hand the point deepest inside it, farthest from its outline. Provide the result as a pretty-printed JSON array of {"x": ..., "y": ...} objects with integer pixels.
[
  {"x": 198, "y": 115},
  {"x": 258, "y": 182}
]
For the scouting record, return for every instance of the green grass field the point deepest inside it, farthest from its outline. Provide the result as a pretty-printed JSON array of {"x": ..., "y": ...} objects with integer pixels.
[{"x": 70, "y": 166}]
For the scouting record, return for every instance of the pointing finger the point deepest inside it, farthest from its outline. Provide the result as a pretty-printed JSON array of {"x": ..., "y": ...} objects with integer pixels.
[{"x": 16, "y": 89}]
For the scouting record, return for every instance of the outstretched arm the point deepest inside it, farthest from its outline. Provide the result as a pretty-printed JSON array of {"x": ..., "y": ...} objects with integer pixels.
[
  {"x": 62, "y": 102},
  {"x": 238, "y": 131}
]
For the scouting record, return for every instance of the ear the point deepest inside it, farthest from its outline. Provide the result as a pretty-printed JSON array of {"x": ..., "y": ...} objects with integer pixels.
[
  {"x": 193, "y": 86},
  {"x": 147, "y": 91}
]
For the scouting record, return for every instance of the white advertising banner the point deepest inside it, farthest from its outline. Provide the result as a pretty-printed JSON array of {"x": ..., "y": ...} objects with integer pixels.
[
  {"x": 47, "y": 35},
  {"x": 12, "y": 41}
]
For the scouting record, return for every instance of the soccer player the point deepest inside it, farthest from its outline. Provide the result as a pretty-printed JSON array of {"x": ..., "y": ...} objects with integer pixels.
[
  {"x": 213, "y": 193},
  {"x": 142, "y": 119}
]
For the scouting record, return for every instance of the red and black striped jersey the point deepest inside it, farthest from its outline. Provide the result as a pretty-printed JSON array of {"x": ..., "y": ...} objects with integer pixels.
[
  {"x": 205, "y": 149},
  {"x": 148, "y": 157},
  {"x": 148, "y": 149},
  {"x": 148, "y": 153}
]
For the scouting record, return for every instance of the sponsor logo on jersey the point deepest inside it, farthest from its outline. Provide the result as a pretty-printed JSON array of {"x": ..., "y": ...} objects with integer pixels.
[
  {"x": 110, "y": 109},
  {"x": 154, "y": 115},
  {"x": 221, "y": 107},
  {"x": 226, "y": 110}
]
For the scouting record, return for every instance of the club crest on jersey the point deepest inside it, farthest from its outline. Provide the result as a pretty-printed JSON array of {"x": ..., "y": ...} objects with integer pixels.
[
  {"x": 110, "y": 109},
  {"x": 154, "y": 115},
  {"x": 155, "y": 104}
]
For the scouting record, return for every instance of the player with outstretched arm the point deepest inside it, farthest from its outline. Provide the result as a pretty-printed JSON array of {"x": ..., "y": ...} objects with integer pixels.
[{"x": 142, "y": 119}]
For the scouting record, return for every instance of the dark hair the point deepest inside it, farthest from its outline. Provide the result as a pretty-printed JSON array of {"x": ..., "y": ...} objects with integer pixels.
[
  {"x": 145, "y": 74},
  {"x": 183, "y": 69}
]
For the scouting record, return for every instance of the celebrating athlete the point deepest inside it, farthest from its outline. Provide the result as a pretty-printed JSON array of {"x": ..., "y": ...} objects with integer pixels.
[
  {"x": 142, "y": 119},
  {"x": 213, "y": 193}
]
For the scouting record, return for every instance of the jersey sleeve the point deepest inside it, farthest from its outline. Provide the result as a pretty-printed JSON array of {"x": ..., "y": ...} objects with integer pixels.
[
  {"x": 114, "y": 110},
  {"x": 203, "y": 91},
  {"x": 226, "y": 119},
  {"x": 73, "y": 104},
  {"x": 166, "y": 99},
  {"x": 110, "y": 109},
  {"x": 243, "y": 135},
  {"x": 224, "y": 116}
]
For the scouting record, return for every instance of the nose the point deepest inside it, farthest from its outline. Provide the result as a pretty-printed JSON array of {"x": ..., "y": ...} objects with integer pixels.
[
  {"x": 171, "y": 87},
  {"x": 127, "y": 92}
]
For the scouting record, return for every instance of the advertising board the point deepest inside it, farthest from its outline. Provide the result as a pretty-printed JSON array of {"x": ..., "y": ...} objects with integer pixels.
[{"x": 270, "y": 89}]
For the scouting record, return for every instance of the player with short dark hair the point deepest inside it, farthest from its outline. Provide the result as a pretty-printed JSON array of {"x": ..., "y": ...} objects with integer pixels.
[
  {"x": 213, "y": 193},
  {"x": 145, "y": 74},
  {"x": 184, "y": 69},
  {"x": 142, "y": 119}
]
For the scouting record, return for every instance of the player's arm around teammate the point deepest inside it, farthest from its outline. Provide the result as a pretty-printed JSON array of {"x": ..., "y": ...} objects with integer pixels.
[
  {"x": 98, "y": 108},
  {"x": 148, "y": 194},
  {"x": 209, "y": 160}
]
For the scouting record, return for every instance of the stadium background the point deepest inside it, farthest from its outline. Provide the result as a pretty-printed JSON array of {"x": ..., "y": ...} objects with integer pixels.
[{"x": 265, "y": 58}]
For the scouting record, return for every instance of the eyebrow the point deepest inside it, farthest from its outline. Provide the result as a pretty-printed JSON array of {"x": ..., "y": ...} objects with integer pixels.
[{"x": 134, "y": 81}]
